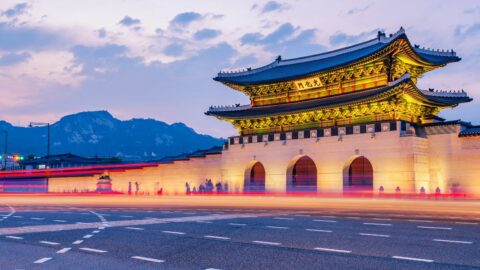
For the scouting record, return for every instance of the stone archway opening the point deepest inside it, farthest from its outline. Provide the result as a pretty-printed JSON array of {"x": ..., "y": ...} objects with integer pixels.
[
  {"x": 302, "y": 175},
  {"x": 255, "y": 178},
  {"x": 358, "y": 176}
]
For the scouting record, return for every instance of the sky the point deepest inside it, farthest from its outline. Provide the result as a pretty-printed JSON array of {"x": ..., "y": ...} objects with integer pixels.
[{"x": 156, "y": 59}]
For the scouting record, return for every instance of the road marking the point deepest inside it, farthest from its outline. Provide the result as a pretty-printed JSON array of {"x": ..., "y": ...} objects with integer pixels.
[
  {"x": 93, "y": 250},
  {"x": 316, "y": 230},
  {"x": 283, "y": 218},
  {"x": 134, "y": 228},
  {"x": 63, "y": 250},
  {"x": 434, "y": 228},
  {"x": 96, "y": 231},
  {"x": 377, "y": 224},
  {"x": 173, "y": 232},
  {"x": 266, "y": 243},
  {"x": 42, "y": 260},
  {"x": 60, "y": 220},
  {"x": 419, "y": 220},
  {"x": 466, "y": 223},
  {"x": 37, "y": 218},
  {"x": 412, "y": 259},
  {"x": 452, "y": 241},
  {"x": 49, "y": 243},
  {"x": 77, "y": 242},
  {"x": 328, "y": 216},
  {"x": 206, "y": 222},
  {"x": 101, "y": 228},
  {"x": 332, "y": 250},
  {"x": 13, "y": 237},
  {"x": 87, "y": 236},
  {"x": 127, "y": 216},
  {"x": 277, "y": 227},
  {"x": 216, "y": 237},
  {"x": 325, "y": 220},
  {"x": 374, "y": 235},
  {"x": 147, "y": 259},
  {"x": 237, "y": 224}
]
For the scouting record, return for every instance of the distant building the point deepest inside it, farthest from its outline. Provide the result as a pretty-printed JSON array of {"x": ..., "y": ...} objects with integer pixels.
[
  {"x": 349, "y": 120},
  {"x": 67, "y": 160}
]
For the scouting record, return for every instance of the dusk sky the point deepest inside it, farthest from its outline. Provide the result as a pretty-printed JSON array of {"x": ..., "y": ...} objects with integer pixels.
[{"x": 156, "y": 59}]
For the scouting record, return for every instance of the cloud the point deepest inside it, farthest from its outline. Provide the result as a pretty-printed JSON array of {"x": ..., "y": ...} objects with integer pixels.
[
  {"x": 283, "y": 31},
  {"x": 206, "y": 34},
  {"x": 340, "y": 38},
  {"x": 463, "y": 32},
  {"x": 358, "y": 9},
  {"x": 102, "y": 33},
  {"x": 129, "y": 21},
  {"x": 99, "y": 59},
  {"x": 273, "y": 6},
  {"x": 14, "y": 58},
  {"x": 184, "y": 19},
  {"x": 174, "y": 49},
  {"x": 17, "y": 10},
  {"x": 26, "y": 38}
]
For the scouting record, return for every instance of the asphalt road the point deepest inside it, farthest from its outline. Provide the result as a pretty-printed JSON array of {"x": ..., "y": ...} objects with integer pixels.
[{"x": 73, "y": 237}]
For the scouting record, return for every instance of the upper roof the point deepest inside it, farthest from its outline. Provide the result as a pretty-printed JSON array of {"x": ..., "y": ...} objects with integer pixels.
[
  {"x": 470, "y": 131},
  {"x": 435, "y": 98},
  {"x": 281, "y": 70}
]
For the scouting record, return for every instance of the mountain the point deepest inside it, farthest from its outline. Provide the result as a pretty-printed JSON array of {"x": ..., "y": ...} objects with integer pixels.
[{"x": 99, "y": 133}]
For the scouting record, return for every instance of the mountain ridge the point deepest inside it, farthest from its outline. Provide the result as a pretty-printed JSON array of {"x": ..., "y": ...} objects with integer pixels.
[{"x": 98, "y": 133}]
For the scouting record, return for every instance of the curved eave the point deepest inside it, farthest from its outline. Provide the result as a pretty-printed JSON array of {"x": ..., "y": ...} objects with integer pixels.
[
  {"x": 402, "y": 86},
  {"x": 272, "y": 73}
]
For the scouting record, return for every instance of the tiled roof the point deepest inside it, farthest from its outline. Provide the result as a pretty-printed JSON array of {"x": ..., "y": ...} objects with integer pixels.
[
  {"x": 336, "y": 100},
  {"x": 470, "y": 131},
  {"x": 280, "y": 70},
  {"x": 187, "y": 156}
]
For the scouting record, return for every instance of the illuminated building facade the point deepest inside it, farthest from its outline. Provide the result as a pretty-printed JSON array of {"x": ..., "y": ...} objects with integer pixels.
[{"x": 347, "y": 120}]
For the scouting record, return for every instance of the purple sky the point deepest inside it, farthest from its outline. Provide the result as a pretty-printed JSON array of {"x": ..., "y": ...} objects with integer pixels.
[{"x": 156, "y": 59}]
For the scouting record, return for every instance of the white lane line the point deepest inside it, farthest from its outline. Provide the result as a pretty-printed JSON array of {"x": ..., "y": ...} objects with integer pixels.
[
  {"x": 283, "y": 218},
  {"x": 202, "y": 221},
  {"x": 173, "y": 232},
  {"x": 434, "y": 228},
  {"x": 317, "y": 230},
  {"x": 63, "y": 250},
  {"x": 147, "y": 259},
  {"x": 60, "y": 220},
  {"x": 375, "y": 235},
  {"x": 420, "y": 220},
  {"x": 212, "y": 269},
  {"x": 17, "y": 216},
  {"x": 381, "y": 218},
  {"x": 267, "y": 243},
  {"x": 88, "y": 236},
  {"x": 13, "y": 237},
  {"x": 237, "y": 224},
  {"x": 466, "y": 223},
  {"x": 49, "y": 243},
  {"x": 353, "y": 217},
  {"x": 216, "y": 237},
  {"x": 42, "y": 260},
  {"x": 452, "y": 241},
  {"x": 78, "y": 242},
  {"x": 37, "y": 218},
  {"x": 377, "y": 224},
  {"x": 101, "y": 228},
  {"x": 333, "y": 250},
  {"x": 412, "y": 259},
  {"x": 93, "y": 250},
  {"x": 134, "y": 228},
  {"x": 96, "y": 231},
  {"x": 277, "y": 227},
  {"x": 127, "y": 216},
  {"x": 325, "y": 220}
]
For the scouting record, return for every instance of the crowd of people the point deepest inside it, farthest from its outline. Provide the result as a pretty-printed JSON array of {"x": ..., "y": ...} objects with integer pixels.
[{"x": 206, "y": 187}]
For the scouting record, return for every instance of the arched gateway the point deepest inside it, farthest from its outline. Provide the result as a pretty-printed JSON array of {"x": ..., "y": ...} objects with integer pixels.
[
  {"x": 358, "y": 176},
  {"x": 255, "y": 178},
  {"x": 302, "y": 175}
]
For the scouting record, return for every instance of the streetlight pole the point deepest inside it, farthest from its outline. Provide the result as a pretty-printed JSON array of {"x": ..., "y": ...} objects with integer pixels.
[{"x": 36, "y": 124}]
